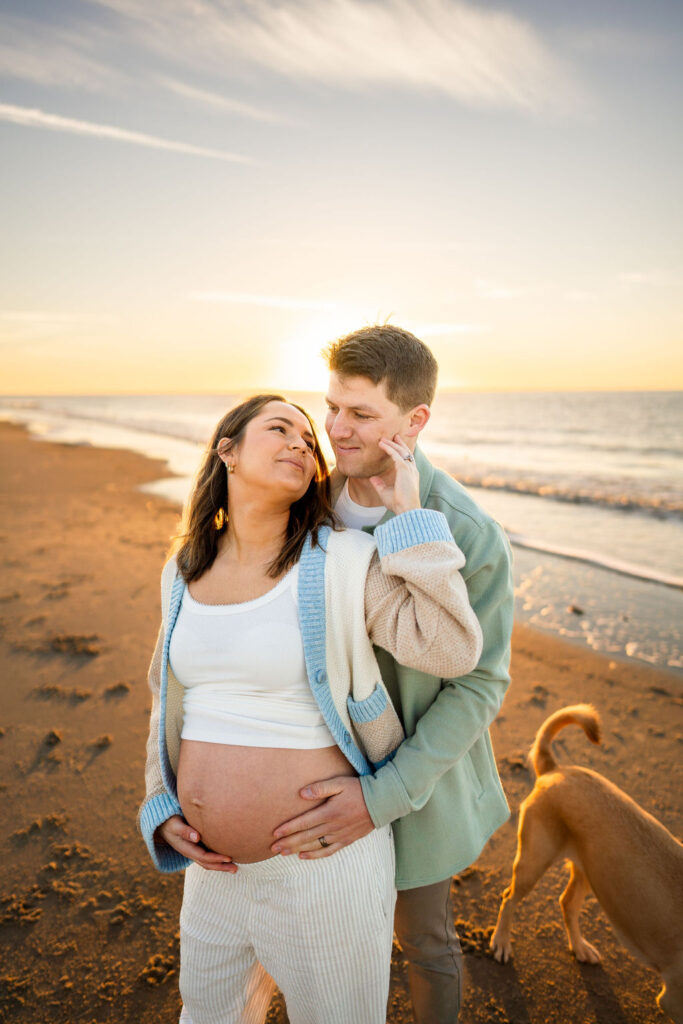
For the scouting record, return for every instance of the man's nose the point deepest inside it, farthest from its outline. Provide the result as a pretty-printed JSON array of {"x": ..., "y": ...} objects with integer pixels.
[{"x": 339, "y": 427}]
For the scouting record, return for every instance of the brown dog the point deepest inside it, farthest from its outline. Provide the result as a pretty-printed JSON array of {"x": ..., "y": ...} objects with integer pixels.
[{"x": 630, "y": 861}]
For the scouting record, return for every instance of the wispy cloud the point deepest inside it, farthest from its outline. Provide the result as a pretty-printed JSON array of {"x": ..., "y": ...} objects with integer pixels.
[
  {"x": 220, "y": 102},
  {"x": 31, "y": 118},
  {"x": 23, "y": 326},
  {"x": 578, "y": 295},
  {"x": 35, "y": 317},
  {"x": 436, "y": 330},
  {"x": 48, "y": 55},
  {"x": 269, "y": 301},
  {"x": 496, "y": 290},
  {"x": 478, "y": 56},
  {"x": 643, "y": 277}
]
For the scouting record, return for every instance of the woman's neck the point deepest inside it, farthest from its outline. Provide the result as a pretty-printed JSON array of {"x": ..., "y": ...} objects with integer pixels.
[{"x": 255, "y": 535}]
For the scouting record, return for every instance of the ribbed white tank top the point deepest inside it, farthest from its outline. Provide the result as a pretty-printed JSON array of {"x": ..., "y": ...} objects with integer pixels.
[{"x": 243, "y": 672}]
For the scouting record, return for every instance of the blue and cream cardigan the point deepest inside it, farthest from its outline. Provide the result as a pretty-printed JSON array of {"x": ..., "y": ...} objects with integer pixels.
[{"x": 403, "y": 587}]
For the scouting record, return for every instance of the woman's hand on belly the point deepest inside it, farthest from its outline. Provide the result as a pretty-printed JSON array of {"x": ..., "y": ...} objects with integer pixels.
[{"x": 186, "y": 840}]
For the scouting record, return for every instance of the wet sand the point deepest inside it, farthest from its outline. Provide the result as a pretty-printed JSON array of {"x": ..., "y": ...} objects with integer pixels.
[{"x": 88, "y": 929}]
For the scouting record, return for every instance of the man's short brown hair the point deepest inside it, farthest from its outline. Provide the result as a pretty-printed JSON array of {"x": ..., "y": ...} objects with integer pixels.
[{"x": 388, "y": 354}]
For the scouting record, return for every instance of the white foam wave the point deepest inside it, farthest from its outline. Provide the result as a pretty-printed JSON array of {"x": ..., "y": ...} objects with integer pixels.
[{"x": 617, "y": 565}]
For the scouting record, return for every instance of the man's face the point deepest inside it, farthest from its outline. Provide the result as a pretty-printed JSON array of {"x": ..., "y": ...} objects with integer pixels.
[{"x": 359, "y": 413}]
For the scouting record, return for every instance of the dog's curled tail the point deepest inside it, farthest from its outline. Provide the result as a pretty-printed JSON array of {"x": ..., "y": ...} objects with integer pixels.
[{"x": 541, "y": 753}]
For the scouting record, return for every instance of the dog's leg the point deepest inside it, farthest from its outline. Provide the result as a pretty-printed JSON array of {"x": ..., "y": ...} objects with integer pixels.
[
  {"x": 536, "y": 850},
  {"x": 571, "y": 901}
]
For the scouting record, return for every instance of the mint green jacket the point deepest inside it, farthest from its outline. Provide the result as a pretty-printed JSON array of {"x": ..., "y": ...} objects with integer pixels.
[{"x": 441, "y": 791}]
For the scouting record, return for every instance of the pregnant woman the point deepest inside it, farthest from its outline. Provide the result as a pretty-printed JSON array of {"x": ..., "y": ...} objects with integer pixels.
[{"x": 263, "y": 679}]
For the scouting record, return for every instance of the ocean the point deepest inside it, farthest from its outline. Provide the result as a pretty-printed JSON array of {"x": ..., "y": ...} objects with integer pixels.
[{"x": 589, "y": 487}]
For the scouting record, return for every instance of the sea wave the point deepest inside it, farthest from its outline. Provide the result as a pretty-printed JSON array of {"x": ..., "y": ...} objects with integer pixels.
[
  {"x": 658, "y": 505},
  {"x": 617, "y": 565},
  {"x": 585, "y": 443},
  {"x": 192, "y": 419},
  {"x": 52, "y": 415}
]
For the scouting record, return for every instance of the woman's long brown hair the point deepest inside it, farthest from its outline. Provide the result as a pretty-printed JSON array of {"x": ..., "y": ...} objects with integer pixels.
[{"x": 207, "y": 512}]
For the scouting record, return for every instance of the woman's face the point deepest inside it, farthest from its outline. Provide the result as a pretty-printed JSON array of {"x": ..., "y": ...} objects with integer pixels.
[{"x": 275, "y": 453}]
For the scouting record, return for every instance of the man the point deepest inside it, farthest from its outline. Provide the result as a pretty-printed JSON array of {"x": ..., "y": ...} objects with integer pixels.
[{"x": 441, "y": 790}]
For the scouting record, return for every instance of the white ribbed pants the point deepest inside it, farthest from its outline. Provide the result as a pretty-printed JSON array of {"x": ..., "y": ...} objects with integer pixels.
[{"x": 320, "y": 929}]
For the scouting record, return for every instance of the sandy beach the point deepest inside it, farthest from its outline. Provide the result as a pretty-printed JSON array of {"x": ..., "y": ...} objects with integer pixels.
[{"x": 89, "y": 930}]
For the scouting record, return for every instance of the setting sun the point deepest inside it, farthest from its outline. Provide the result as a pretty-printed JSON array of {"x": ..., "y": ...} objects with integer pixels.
[{"x": 300, "y": 366}]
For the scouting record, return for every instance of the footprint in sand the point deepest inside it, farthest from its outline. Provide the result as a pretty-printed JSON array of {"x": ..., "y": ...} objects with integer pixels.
[
  {"x": 539, "y": 696},
  {"x": 117, "y": 690},
  {"x": 47, "y": 756},
  {"x": 102, "y": 742},
  {"x": 46, "y": 828},
  {"x": 473, "y": 939},
  {"x": 61, "y": 693},
  {"x": 55, "y": 591},
  {"x": 515, "y": 763},
  {"x": 158, "y": 969},
  {"x": 38, "y": 620},
  {"x": 96, "y": 748},
  {"x": 22, "y": 909},
  {"x": 69, "y": 644},
  {"x": 75, "y": 646},
  {"x": 661, "y": 691}
]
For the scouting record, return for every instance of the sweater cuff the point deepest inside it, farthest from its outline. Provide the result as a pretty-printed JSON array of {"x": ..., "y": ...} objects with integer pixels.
[
  {"x": 155, "y": 812},
  {"x": 385, "y": 796},
  {"x": 418, "y": 526}
]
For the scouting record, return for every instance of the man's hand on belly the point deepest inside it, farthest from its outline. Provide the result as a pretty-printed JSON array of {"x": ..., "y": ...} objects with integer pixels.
[{"x": 340, "y": 820}]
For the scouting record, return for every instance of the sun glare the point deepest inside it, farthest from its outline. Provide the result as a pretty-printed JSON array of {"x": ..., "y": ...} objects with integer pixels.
[{"x": 300, "y": 365}]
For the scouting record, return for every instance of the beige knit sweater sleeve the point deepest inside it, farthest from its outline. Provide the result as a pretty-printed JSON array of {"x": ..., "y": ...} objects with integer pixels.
[{"x": 417, "y": 609}]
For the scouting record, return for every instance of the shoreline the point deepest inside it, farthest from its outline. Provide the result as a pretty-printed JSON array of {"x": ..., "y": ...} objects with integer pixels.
[{"x": 89, "y": 929}]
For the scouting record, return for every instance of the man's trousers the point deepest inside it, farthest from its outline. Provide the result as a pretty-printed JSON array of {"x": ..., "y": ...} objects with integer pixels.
[{"x": 426, "y": 931}]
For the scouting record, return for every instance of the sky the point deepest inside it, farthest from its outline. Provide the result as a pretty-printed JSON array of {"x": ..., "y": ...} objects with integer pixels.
[{"x": 197, "y": 196}]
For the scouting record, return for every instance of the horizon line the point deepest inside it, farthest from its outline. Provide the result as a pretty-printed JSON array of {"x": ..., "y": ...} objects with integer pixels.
[{"x": 451, "y": 389}]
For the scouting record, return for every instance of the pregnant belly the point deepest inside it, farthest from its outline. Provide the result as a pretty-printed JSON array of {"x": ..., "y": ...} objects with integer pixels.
[{"x": 236, "y": 796}]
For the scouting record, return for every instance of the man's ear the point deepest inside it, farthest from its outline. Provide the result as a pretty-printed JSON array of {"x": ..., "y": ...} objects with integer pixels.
[{"x": 418, "y": 418}]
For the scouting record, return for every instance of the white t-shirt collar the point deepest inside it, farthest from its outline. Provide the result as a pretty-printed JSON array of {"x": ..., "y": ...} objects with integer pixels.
[{"x": 356, "y": 516}]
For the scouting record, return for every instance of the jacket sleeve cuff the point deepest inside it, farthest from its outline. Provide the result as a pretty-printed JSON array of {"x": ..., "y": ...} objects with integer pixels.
[
  {"x": 155, "y": 812},
  {"x": 385, "y": 796},
  {"x": 418, "y": 526}
]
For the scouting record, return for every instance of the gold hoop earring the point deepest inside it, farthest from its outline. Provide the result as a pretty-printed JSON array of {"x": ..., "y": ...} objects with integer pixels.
[{"x": 231, "y": 468}]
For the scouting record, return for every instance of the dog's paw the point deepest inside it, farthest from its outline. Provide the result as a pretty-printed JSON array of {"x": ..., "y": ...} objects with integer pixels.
[
  {"x": 501, "y": 948},
  {"x": 585, "y": 953}
]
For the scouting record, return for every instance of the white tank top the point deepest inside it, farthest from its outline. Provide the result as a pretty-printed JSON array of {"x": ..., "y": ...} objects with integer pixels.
[{"x": 243, "y": 672}]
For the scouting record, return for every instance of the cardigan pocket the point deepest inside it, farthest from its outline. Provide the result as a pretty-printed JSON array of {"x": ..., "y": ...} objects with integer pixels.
[
  {"x": 376, "y": 724},
  {"x": 369, "y": 708}
]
